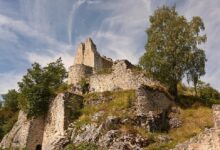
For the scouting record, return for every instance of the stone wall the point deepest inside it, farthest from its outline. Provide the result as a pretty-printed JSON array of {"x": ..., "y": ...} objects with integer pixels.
[
  {"x": 26, "y": 133},
  {"x": 149, "y": 99},
  {"x": 77, "y": 72},
  {"x": 54, "y": 124},
  {"x": 57, "y": 121},
  {"x": 122, "y": 77}
]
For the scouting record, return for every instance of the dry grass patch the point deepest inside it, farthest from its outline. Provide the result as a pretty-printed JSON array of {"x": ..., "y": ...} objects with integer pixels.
[{"x": 195, "y": 120}]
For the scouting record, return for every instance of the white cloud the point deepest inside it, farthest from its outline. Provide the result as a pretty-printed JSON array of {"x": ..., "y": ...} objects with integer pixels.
[
  {"x": 120, "y": 33},
  {"x": 45, "y": 59},
  {"x": 9, "y": 81}
]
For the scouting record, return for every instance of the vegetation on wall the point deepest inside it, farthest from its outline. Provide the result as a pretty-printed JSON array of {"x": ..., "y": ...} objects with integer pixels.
[
  {"x": 172, "y": 50},
  {"x": 84, "y": 85}
]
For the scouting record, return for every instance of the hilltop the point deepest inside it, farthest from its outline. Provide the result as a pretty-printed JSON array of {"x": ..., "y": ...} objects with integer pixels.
[{"x": 114, "y": 105}]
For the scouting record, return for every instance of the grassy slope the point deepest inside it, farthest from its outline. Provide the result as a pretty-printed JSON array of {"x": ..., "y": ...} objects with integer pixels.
[{"x": 194, "y": 118}]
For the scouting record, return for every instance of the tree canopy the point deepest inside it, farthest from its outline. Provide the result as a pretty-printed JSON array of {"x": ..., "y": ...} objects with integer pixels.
[
  {"x": 172, "y": 48},
  {"x": 38, "y": 86},
  {"x": 11, "y": 100}
]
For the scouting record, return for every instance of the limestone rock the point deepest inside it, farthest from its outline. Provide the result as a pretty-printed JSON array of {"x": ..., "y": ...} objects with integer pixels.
[
  {"x": 88, "y": 133},
  {"x": 97, "y": 115}
]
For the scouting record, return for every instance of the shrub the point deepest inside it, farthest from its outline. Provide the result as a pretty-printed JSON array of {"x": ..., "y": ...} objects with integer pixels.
[
  {"x": 74, "y": 106},
  {"x": 84, "y": 85},
  {"x": 11, "y": 100}
]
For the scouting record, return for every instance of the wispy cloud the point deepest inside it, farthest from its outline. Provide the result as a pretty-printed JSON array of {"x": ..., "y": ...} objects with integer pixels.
[{"x": 9, "y": 81}]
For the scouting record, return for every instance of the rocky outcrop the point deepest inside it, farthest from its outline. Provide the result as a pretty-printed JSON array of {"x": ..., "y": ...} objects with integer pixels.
[
  {"x": 106, "y": 131},
  {"x": 207, "y": 140},
  {"x": 26, "y": 133}
]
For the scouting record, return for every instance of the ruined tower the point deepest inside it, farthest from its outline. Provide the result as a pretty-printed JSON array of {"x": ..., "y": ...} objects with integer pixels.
[{"x": 87, "y": 61}]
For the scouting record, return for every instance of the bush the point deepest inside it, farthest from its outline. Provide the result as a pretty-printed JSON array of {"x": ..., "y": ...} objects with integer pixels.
[
  {"x": 84, "y": 85},
  {"x": 11, "y": 100},
  {"x": 207, "y": 93},
  {"x": 74, "y": 106},
  {"x": 7, "y": 120}
]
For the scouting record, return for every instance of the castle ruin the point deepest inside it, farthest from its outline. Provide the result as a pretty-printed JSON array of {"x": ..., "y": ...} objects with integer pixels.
[
  {"x": 88, "y": 64},
  {"x": 87, "y": 61}
]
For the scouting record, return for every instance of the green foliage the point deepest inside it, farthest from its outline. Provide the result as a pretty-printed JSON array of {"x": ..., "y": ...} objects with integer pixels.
[
  {"x": 84, "y": 85},
  {"x": 64, "y": 87},
  {"x": 172, "y": 48},
  {"x": 38, "y": 86},
  {"x": 207, "y": 93},
  {"x": 8, "y": 112},
  {"x": 116, "y": 104},
  {"x": 69, "y": 147},
  {"x": 74, "y": 106},
  {"x": 11, "y": 100},
  {"x": 7, "y": 120}
]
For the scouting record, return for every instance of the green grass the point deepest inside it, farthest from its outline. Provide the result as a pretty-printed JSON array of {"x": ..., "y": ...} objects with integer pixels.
[
  {"x": 195, "y": 117},
  {"x": 118, "y": 105}
]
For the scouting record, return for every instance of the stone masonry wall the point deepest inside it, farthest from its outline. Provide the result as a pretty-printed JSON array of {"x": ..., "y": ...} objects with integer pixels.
[
  {"x": 26, "y": 133},
  {"x": 149, "y": 99},
  {"x": 57, "y": 121},
  {"x": 77, "y": 72},
  {"x": 122, "y": 77},
  {"x": 54, "y": 124}
]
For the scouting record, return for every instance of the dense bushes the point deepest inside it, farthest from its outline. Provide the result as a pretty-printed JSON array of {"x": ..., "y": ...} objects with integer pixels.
[
  {"x": 8, "y": 111},
  {"x": 205, "y": 95}
]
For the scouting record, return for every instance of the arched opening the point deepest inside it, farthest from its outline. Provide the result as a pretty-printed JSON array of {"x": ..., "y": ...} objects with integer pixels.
[{"x": 38, "y": 147}]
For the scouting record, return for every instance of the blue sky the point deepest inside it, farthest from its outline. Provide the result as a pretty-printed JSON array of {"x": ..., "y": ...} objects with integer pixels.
[{"x": 44, "y": 30}]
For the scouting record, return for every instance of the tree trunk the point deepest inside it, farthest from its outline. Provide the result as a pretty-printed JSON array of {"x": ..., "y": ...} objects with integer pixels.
[{"x": 174, "y": 91}]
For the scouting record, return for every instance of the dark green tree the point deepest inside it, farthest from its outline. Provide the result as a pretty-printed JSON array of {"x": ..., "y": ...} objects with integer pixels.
[
  {"x": 11, "y": 100},
  {"x": 172, "y": 50},
  {"x": 39, "y": 85}
]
